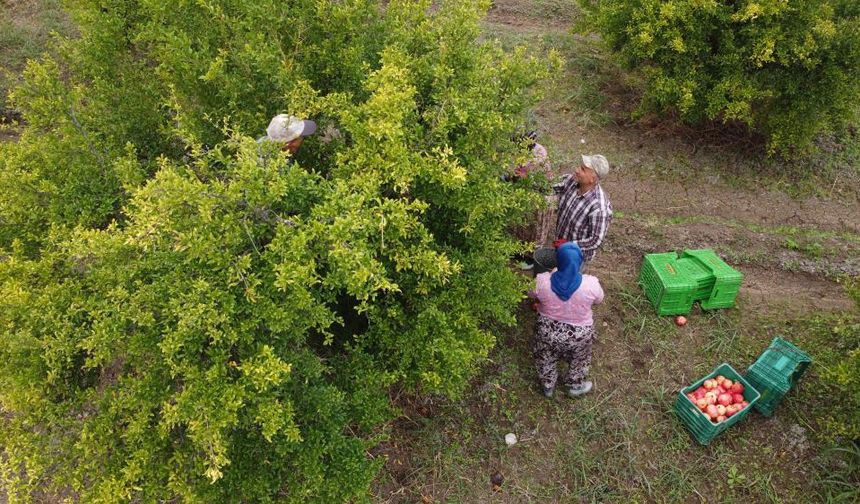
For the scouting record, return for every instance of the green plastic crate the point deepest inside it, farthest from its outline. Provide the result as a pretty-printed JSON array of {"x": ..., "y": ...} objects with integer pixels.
[
  {"x": 669, "y": 289},
  {"x": 727, "y": 280},
  {"x": 700, "y": 274},
  {"x": 700, "y": 426},
  {"x": 776, "y": 372}
]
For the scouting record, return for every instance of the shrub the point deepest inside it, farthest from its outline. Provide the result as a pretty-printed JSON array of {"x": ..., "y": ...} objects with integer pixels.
[
  {"x": 221, "y": 323},
  {"x": 789, "y": 69}
]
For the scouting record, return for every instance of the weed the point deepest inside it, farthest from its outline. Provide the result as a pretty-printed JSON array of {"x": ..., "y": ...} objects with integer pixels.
[
  {"x": 735, "y": 478},
  {"x": 851, "y": 284},
  {"x": 840, "y": 473},
  {"x": 811, "y": 248}
]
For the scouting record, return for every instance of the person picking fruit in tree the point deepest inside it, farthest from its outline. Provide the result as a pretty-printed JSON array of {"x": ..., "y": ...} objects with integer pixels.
[
  {"x": 537, "y": 162},
  {"x": 288, "y": 131},
  {"x": 542, "y": 227},
  {"x": 584, "y": 212},
  {"x": 565, "y": 323}
]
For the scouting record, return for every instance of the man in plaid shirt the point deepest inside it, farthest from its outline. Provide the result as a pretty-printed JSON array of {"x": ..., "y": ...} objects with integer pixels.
[{"x": 584, "y": 212}]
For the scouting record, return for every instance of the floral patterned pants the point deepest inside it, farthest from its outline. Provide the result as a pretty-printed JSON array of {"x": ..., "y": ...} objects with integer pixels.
[{"x": 556, "y": 341}]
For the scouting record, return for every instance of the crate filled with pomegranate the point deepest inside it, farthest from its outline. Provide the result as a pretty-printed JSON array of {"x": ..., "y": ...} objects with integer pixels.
[{"x": 715, "y": 403}]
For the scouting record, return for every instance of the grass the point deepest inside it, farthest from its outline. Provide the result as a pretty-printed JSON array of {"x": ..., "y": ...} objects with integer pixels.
[
  {"x": 623, "y": 442},
  {"x": 807, "y": 234},
  {"x": 813, "y": 249},
  {"x": 562, "y": 12},
  {"x": 810, "y": 241},
  {"x": 829, "y": 254},
  {"x": 26, "y": 27},
  {"x": 838, "y": 470},
  {"x": 595, "y": 100}
]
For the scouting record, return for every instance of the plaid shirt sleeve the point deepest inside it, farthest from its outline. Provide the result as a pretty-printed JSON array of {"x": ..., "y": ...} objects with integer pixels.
[
  {"x": 561, "y": 186},
  {"x": 599, "y": 224}
]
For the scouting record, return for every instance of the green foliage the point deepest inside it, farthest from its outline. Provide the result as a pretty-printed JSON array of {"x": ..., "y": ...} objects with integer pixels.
[
  {"x": 187, "y": 314},
  {"x": 840, "y": 470},
  {"x": 25, "y": 30},
  {"x": 58, "y": 173},
  {"x": 786, "y": 68},
  {"x": 836, "y": 340},
  {"x": 811, "y": 248}
]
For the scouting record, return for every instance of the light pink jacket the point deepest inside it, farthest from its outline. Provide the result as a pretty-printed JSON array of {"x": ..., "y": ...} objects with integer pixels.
[{"x": 577, "y": 309}]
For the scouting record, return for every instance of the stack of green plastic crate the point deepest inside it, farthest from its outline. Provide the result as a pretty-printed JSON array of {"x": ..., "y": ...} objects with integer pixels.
[
  {"x": 775, "y": 372},
  {"x": 700, "y": 274},
  {"x": 668, "y": 287},
  {"x": 673, "y": 284},
  {"x": 727, "y": 280}
]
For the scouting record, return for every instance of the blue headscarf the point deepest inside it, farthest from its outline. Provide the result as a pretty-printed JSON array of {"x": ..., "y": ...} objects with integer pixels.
[{"x": 567, "y": 279}]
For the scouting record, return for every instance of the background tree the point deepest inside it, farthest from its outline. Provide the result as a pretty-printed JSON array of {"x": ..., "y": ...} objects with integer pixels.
[
  {"x": 187, "y": 315},
  {"x": 788, "y": 69}
]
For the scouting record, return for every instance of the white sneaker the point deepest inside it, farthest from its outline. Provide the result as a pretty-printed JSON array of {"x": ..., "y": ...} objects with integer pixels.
[
  {"x": 578, "y": 390},
  {"x": 526, "y": 266}
]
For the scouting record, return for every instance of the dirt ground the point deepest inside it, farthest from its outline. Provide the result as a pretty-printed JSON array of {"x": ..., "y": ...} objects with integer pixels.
[
  {"x": 671, "y": 189},
  {"x": 721, "y": 205}
]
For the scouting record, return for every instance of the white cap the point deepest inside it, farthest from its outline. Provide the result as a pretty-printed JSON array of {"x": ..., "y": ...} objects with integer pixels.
[
  {"x": 286, "y": 128},
  {"x": 597, "y": 163}
]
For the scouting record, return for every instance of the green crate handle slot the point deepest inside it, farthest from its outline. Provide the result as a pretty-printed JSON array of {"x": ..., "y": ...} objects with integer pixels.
[{"x": 803, "y": 356}]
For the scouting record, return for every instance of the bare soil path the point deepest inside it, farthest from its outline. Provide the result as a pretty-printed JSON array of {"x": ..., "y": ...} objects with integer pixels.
[
  {"x": 676, "y": 189},
  {"x": 671, "y": 189}
]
